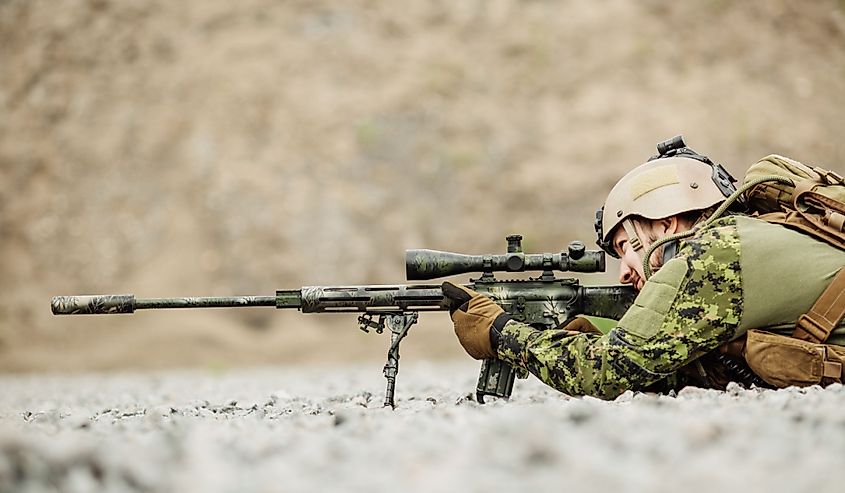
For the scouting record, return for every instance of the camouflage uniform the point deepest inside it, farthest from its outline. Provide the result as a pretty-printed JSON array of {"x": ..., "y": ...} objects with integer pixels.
[{"x": 728, "y": 278}]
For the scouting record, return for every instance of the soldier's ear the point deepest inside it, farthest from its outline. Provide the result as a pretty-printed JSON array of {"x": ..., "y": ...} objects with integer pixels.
[{"x": 666, "y": 226}]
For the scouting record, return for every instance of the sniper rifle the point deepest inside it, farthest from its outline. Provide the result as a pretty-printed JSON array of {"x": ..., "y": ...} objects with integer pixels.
[{"x": 544, "y": 302}]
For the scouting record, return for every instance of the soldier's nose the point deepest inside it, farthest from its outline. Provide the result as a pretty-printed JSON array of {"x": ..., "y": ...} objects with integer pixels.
[{"x": 626, "y": 275}]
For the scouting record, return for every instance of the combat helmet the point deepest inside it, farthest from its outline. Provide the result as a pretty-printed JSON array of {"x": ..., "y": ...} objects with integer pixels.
[{"x": 675, "y": 181}]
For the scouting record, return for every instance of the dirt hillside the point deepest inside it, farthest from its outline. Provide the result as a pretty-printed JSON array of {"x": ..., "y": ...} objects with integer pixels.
[{"x": 208, "y": 147}]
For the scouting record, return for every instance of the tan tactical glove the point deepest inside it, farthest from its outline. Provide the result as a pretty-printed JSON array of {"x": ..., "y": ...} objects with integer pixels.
[
  {"x": 473, "y": 315},
  {"x": 581, "y": 324}
]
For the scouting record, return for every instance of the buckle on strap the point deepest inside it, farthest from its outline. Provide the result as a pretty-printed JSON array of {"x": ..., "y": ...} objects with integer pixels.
[
  {"x": 810, "y": 330},
  {"x": 633, "y": 239},
  {"x": 830, "y": 177},
  {"x": 825, "y": 314},
  {"x": 831, "y": 368}
]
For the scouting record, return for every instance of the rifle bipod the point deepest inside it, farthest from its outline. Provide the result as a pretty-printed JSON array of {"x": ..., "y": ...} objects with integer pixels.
[{"x": 399, "y": 323}]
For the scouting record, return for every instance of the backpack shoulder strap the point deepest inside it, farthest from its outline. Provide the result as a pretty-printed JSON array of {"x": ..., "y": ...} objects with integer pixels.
[{"x": 825, "y": 315}]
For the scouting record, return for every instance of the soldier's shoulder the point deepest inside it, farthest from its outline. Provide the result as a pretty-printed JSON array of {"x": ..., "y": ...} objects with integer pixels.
[
  {"x": 721, "y": 225},
  {"x": 715, "y": 246}
]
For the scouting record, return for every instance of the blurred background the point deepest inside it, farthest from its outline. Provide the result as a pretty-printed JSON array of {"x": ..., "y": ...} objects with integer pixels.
[{"x": 210, "y": 147}]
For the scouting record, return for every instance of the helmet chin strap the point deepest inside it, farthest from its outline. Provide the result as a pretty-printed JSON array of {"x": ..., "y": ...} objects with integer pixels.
[
  {"x": 633, "y": 239},
  {"x": 637, "y": 245}
]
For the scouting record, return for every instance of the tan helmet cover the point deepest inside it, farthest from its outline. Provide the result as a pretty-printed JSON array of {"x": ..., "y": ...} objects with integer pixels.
[{"x": 660, "y": 188}]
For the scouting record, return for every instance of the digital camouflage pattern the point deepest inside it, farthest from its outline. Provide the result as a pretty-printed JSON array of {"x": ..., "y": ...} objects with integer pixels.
[{"x": 689, "y": 307}]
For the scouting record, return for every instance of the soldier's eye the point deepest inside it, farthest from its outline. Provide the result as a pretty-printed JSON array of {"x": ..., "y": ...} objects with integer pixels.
[{"x": 620, "y": 247}]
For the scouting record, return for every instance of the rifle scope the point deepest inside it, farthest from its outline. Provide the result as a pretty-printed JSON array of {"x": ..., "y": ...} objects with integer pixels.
[{"x": 425, "y": 264}]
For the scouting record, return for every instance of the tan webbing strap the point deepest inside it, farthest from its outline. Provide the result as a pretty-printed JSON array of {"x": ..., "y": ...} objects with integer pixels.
[
  {"x": 802, "y": 187},
  {"x": 830, "y": 177},
  {"x": 825, "y": 315},
  {"x": 633, "y": 239}
]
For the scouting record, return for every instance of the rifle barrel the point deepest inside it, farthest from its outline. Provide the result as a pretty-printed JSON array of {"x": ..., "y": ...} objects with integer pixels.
[{"x": 127, "y": 303}]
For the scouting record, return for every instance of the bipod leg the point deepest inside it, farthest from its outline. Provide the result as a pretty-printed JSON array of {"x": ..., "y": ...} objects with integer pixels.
[{"x": 398, "y": 323}]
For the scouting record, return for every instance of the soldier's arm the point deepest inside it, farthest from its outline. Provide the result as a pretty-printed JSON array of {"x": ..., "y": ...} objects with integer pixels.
[{"x": 686, "y": 309}]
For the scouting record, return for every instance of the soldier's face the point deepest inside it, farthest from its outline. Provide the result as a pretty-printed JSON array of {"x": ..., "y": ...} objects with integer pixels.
[
  {"x": 631, "y": 269},
  {"x": 631, "y": 266}
]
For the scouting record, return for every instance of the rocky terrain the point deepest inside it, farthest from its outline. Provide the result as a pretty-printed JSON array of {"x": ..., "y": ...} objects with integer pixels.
[{"x": 324, "y": 429}]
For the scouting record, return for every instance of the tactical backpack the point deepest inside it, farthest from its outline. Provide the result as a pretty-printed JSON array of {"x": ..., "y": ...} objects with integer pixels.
[
  {"x": 811, "y": 200},
  {"x": 814, "y": 201}
]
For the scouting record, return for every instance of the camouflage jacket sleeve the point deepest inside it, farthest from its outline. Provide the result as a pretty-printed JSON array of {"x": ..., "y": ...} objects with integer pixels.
[{"x": 689, "y": 307}]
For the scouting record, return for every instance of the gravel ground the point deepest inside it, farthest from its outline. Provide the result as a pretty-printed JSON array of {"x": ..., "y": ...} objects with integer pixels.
[{"x": 324, "y": 429}]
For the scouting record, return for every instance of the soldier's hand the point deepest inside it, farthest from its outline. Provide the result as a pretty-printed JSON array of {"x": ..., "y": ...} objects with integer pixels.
[{"x": 473, "y": 315}]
